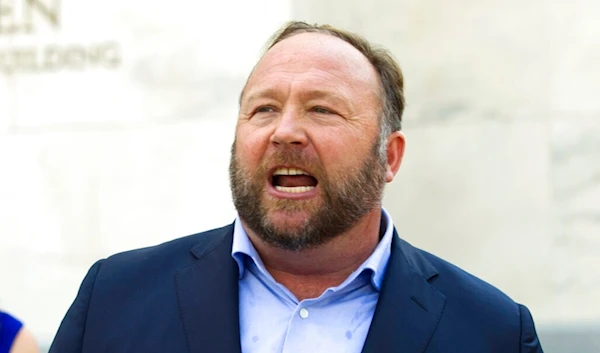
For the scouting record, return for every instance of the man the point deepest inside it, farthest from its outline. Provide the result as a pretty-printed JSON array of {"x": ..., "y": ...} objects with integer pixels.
[{"x": 312, "y": 263}]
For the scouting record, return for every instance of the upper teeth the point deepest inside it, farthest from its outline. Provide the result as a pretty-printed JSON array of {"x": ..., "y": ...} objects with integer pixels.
[{"x": 289, "y": 171}]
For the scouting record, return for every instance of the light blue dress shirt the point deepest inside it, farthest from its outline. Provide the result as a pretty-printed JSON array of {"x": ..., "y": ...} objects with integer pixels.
[{"x": 273, "y": 320}]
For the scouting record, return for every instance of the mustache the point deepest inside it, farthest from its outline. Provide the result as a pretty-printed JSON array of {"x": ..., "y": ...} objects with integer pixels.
[{"x": 296, "y": 158}]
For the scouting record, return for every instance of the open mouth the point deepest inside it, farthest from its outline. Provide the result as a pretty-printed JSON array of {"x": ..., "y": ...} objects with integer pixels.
[{"x": 293, "y": 180}]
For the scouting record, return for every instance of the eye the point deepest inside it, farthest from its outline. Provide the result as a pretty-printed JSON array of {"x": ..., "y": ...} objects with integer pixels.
[
  {"x": 264, "y": 109},
  {"x": 321, "y": 110}
]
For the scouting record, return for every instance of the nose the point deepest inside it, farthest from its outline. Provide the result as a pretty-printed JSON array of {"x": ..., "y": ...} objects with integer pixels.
[{"x": 289, "y": 130}]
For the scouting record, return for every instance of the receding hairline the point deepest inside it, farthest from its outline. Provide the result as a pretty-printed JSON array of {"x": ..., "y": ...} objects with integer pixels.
[{"x": 275, "y": 40}]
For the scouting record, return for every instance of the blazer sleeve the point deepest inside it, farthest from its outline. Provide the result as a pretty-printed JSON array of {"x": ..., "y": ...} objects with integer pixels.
[
  {"x": 529, "y": 339},
  {"x": 69, "y": 338}
]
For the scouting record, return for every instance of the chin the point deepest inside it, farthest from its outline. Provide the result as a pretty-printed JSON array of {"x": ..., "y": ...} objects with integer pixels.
[{"x": 289, "y": 220}]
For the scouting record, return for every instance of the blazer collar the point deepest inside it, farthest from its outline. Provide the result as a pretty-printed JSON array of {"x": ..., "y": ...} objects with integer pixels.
[
  {"x": 409, "y": 307},
  {"x": 208, "y": 295},
  {"x": 406, "y": 316}
]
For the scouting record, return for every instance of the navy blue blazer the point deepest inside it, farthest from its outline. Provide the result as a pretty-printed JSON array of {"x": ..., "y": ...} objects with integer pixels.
[{"x": 182, "y": 296}]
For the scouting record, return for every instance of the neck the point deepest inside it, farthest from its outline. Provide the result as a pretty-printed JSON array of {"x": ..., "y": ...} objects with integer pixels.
[{"x": 308, "y": 273}]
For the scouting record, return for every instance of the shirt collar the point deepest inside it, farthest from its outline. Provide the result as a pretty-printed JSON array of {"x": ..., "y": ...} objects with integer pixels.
[{"x": 376, "y": 263}]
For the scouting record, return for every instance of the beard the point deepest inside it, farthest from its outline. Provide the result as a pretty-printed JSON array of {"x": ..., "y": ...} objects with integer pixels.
[{"x": 344, "y": 200}]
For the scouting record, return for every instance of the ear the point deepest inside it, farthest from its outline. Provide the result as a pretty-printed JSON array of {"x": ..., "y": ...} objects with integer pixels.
[{"x": 395, "y": 153}]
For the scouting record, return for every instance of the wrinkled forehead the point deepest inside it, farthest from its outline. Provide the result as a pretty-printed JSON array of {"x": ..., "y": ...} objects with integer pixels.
[{"x": 316, "y": 51}]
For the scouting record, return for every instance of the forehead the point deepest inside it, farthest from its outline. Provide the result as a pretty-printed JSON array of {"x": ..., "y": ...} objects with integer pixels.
[{"x": 315, "y": 58}]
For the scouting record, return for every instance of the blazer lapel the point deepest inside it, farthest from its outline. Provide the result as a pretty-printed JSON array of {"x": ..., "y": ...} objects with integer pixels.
[
  {"x": 409, "y": 308},
  {"x": 208, "y": 296}
]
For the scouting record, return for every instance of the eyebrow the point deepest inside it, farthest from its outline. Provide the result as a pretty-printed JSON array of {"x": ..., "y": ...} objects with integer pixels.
[
  {"x": 323, "y": 94},
  {"x": 316, "y": 93},
  {"x": 259, "y": 93}
]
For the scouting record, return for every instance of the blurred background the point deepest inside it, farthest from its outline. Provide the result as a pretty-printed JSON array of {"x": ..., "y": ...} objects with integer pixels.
[{"x": 116, "y": 119}]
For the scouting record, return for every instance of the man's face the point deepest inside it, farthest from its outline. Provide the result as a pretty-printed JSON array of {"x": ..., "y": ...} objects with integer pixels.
[{"x": 305, "y": 165}]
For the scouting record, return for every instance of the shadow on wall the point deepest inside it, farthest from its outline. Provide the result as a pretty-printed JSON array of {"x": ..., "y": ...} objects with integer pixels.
[
  {"x": 570, "y": 339},
  {"x": 554, "y": 339}
]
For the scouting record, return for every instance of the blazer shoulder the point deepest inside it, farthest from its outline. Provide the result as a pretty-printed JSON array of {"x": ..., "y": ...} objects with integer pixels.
[
  {"x": 172, "y": 254},
  {"x": 475, "y": 312},
  {"x": 461, "y": 286}
]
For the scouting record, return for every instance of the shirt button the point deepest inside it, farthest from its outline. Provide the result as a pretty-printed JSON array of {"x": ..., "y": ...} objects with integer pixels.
[{"x": 303, "y": 313}]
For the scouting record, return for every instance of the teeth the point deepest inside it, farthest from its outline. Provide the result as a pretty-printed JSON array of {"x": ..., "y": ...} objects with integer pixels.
[
  {"x": 289, "y": 171},
  {"x": 294, "y": 189}
]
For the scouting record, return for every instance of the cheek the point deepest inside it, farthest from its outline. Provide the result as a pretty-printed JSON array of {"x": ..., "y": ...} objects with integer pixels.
[
  {"x": 250, "y": 145},
  {"x": 339, "y": 151}
]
